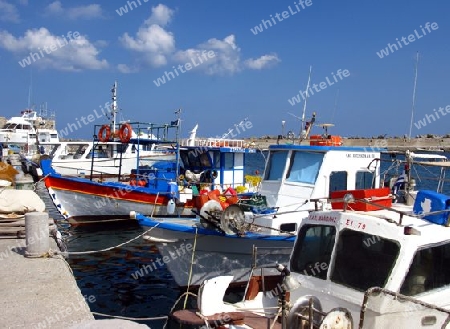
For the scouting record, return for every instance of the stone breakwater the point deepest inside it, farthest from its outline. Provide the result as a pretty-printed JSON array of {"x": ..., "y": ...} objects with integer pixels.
[{"x": 392, "y": 144}]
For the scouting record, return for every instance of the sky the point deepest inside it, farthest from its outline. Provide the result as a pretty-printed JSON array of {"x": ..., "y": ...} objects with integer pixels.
[{"x": 223, "y": 62}]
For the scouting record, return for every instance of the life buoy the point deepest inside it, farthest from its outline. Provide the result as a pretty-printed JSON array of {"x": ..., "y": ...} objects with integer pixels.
[
  {"x": 106, "y": 131},
  {"x": 125, "y": 133}
]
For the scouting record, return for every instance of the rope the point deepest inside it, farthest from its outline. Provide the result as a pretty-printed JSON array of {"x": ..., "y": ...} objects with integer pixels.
[
  {"x": 176, "y": 302},
  {"x": 276, "y": 317},
  {"x": 107, "y": 249},
  {"x": 204, "y": 318},
  {"x": 35, "y": 184},
  {"x": 190, "y": 270},
  {"x": 165, "y": 317}
]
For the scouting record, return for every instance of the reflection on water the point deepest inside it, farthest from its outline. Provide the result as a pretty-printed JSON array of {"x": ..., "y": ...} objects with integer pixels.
[{"x": 108, "y": 275}]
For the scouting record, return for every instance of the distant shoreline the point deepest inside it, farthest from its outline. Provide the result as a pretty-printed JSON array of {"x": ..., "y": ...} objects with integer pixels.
[{"x": 392, "y": 144}]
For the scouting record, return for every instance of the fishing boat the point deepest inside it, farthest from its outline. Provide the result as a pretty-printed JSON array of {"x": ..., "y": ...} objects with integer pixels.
[
  {"x": 163, "y": 188},
  {"x": 114, "y": 150},
  {"x": 293, "y": 176},
  {"x": 368, "y": 262}
]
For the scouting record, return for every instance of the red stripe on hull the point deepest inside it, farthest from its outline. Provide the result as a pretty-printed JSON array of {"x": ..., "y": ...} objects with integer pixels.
[{"x": 128, "y": 193}]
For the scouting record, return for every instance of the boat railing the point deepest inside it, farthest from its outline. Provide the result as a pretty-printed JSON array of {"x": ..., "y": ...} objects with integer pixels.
[
  {"x": 214, "y": 142},
  {"x": 400, "y": 301}
]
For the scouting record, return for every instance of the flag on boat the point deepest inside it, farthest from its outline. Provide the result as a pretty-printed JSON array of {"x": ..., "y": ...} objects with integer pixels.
[{"x": 400, "y": 182}]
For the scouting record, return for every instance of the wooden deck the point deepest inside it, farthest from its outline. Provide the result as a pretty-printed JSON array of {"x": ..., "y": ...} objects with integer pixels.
[
  {"x": 191, "y": 317},
  {"x": 13, "y": 225}
]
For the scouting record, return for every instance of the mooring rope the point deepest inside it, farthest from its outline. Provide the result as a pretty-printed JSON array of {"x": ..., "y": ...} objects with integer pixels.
[{"x": 65, "y": 253}]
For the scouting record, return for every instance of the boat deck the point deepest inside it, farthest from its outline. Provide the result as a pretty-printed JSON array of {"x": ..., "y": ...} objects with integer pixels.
[{"x": 252, "y": 320}]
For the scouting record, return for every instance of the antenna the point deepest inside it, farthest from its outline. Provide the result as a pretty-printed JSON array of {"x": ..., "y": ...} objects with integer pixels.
[
  {"x": 414, "y": 96},
  {"x": 304, "y": 105},
  {"x": 114, "y": 103},
  {"x": 30, "y": 88},
  {"x": 335, "y": 105}
]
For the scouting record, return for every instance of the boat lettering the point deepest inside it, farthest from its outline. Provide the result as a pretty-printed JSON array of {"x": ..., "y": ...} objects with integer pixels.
[
  {"x": 361, "y": 155},
  {"x": 355, "y": 224},
  {"x": 323, "y": 218},
  {"x": 235, "y": 149}
]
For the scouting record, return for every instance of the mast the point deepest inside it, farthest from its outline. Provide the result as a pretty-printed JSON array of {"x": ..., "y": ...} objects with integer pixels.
[
  {"x": 414, "y": 96},
  {"x": 30, "y": 89},
  {"x": 177, "y": 137},
  {"x": 114, "y": 104},
  {"x": 304, "y": 105}
]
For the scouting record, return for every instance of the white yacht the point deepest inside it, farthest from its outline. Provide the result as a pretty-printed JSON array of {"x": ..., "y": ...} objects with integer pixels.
[{"x": 28, "y": 130}]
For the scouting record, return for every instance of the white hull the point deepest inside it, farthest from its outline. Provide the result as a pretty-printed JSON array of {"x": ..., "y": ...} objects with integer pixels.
[
  {"x": 215, "y": 255},
  {"x": 108, "y": 166},
  {"x": 83, "y": 208}
]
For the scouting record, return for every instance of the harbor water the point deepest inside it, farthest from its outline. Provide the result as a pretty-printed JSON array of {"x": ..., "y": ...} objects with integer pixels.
[{"x": 113, "y": 276}]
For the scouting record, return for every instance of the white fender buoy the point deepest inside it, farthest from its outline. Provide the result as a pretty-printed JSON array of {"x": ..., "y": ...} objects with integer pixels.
[{"x": 170, "y": 207}]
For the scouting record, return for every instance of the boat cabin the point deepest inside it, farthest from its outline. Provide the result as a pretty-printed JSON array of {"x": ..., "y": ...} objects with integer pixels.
[
  {"x": 296, "y": 173},
  {"x": 219, "y": 162},
  {"x": 385, "y": 267}
]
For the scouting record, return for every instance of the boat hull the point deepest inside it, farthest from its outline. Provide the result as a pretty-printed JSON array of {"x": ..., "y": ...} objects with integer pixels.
[
  {"x": 84, "y": 202},
  {"x": 212, "y": 253}
]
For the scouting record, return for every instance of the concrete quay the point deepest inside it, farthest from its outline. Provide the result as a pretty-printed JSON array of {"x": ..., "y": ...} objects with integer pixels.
[{"x": 39, "y": 293}]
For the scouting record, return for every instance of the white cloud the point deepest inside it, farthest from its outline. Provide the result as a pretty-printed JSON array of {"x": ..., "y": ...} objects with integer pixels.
[
  {"x": 155, "y": 46},
  {"x": 262, "y": 62},
  {"x": 80, "y": 12},
  {"x": 161, "y": 15},
  {"x": 53, "y": 51},
  {"x": 8, "y": 12},
  {"x": 124, "y": 68},
  {"x": 226, "y": 59},
  {"x": 152, "y": 41}
]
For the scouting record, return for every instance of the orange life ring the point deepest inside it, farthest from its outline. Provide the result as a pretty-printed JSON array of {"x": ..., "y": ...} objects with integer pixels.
[
  {"x": 104, "y": 129},
  {"x": 125, "y": 137}
]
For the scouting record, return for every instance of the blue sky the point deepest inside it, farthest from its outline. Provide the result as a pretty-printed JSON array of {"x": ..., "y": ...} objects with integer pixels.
[{"x": 250, "y": 75}]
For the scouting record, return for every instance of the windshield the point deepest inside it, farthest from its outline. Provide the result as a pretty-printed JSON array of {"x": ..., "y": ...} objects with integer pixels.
[
  {"x": 429, "y": 270},
  {"x": 277, "y": 163},
  {"x": 363, "y": 260},
  {"x": 312, "y": 251},
  {"x": 304, "y": 167}
]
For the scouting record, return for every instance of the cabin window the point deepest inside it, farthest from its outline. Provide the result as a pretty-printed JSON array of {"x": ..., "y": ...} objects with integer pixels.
[
  {"x": 277, "y": 162},
  {"x": 216, "y": 156},
  {"x": 229, "y": 161},
  {"x": 338, "y": 181},
  {"x": 193, "y": 159},
  {"x": 312, "y": 251},
  {"x": 429, "y": 270},
  {"x": 304, "y": 167},
  {"x": 363, "y": 260},
  {"x": 364, "y": 180}
]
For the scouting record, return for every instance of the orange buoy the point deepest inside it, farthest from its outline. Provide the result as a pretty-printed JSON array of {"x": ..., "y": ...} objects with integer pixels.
[
  {"x": 104, "y": 133},
  {"x": 125, "y": 133}
]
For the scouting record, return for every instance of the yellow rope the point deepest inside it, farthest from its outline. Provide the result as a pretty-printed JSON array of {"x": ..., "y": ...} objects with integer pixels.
[{"x": 190, "y": 270}]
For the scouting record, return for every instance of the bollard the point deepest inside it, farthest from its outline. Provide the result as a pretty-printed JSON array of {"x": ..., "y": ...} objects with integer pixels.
[{"x": 37, "y": 234}]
